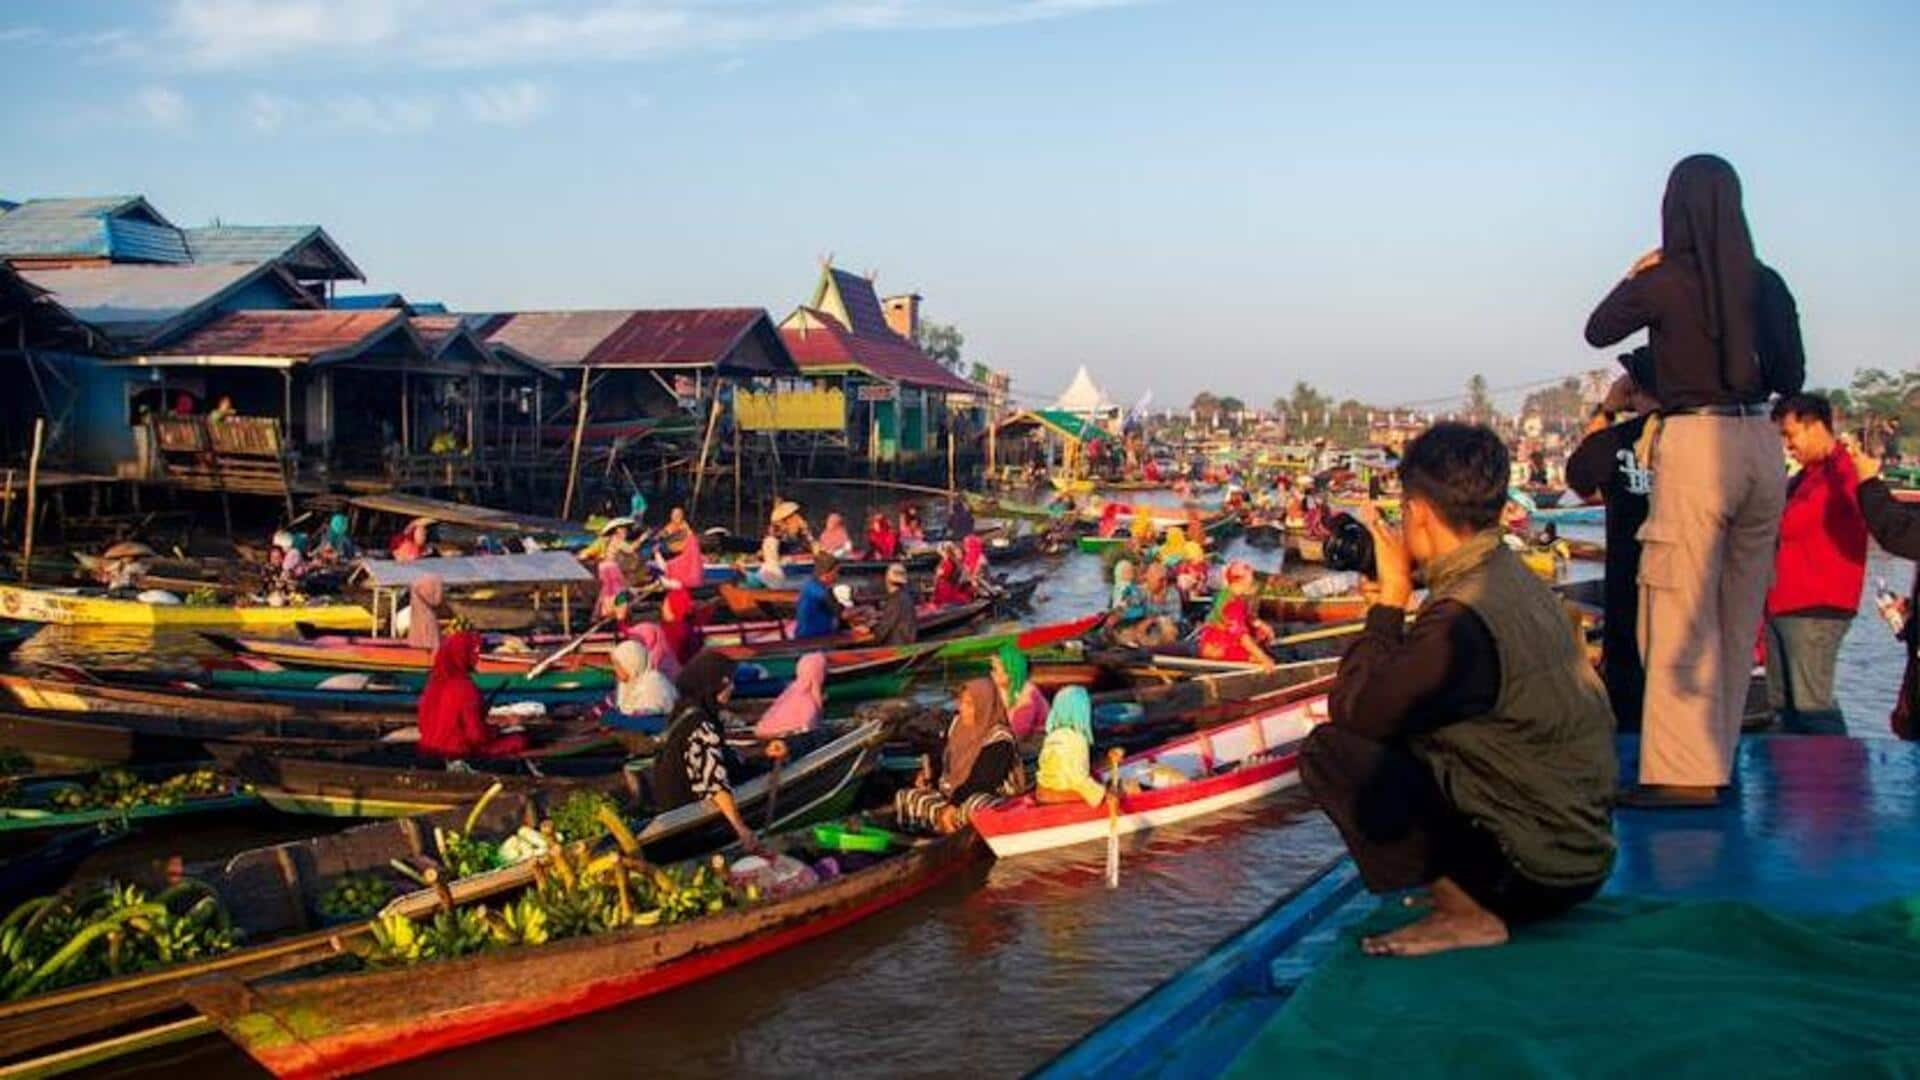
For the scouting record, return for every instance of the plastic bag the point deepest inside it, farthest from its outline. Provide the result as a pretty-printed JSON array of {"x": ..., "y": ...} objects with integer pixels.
[{"x": 784, "y": 875}]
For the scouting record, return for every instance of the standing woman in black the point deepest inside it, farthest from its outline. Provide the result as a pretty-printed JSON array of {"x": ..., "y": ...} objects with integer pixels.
[{"x": 1725, "y": 337}]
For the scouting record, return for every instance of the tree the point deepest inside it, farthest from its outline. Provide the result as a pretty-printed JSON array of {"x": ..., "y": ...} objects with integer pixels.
[
  {"x": 1232, "y": 405},
  {"x": 1306, "y": 399},
  {"x": 1205, "y": 404},
  {"x": 1479, "y": 404},
  {"x": 1563, "y": 402},
  {"x": 942, "y": 342}
]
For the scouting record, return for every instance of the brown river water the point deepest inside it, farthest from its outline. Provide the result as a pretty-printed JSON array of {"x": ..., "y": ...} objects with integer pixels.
[{"x": 988, "y": 975}]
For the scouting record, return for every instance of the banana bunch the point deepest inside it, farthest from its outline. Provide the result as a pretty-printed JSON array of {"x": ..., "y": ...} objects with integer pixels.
[
  {"x": 679, "y": 893},
  {"x": 464, "y": 854},
  {"x": 63, "y": 940},
  {"x": 118, "y": 789},
  {"x": 355, "y": 897}
]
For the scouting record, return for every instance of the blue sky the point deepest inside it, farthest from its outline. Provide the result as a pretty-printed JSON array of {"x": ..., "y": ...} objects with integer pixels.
[{"x": 1381, "y": 199}]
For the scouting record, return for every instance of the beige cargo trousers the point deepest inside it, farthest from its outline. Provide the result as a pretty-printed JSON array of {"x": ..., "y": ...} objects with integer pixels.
[{"x": 1706, "y": 560}]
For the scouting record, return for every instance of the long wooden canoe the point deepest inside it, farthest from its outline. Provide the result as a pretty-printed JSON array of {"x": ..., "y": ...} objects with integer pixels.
[
  {"x": 336, "y": 1025},
  {"x": 76, "y": 607},
  {"x": 1189, "y": 777}
]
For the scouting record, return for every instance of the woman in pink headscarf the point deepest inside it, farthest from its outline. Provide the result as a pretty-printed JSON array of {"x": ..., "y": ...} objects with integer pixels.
[
  {"x": 652, "y": 639},
  {"x": 613, "y": 582},
  {"x": 687, "y": 565},
  {"x": 834, "y": 539},
  {"x": 799, "y": 707}
]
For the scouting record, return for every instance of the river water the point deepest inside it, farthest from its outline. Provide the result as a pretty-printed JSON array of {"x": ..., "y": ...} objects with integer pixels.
[{"x": 986, "y": 976}]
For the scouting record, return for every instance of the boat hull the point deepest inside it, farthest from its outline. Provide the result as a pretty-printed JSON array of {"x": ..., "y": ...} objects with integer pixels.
[
  {"x": 77, "y": 609},
  {"x": 345, "y": 1024}
]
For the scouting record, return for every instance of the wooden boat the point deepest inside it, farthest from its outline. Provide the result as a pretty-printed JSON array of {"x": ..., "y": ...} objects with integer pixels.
[
  {"x": 29, "y": 805},
  {"x": 1186, "y": 778},
  {"x": 338, "y": 1024},
  {"x": 1325, "y": 611},
  {"x": 77, "y": 607},
  {"x": 395, "y": 781},
  {"x": 80, "y": 740},
  {"x": 1266, "y": 536},
  {"x": 961, "y": 648},
  {"x": 821, "y": 781}
]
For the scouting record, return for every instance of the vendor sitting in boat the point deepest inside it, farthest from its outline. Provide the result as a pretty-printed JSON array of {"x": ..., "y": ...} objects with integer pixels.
[
  {"x": 1021, "y": 700},
  {"x": 1064, "y": 773},
  {"x": 883, "y": 541},
  {"x": 693, "y": 762},
  {"x": 898, "y": 621},
  {"x": 1234, "y": 630},
  {"x": 913, "y": 535},
  {"x": 642, "y": 698},
  {"x": 834, "y": 539},
  {"x": 1471, "y": 753},
  {"x": 453, "y": 714},
  {"x": 414, "y": 542},
  {"x": 1154, "y": 617},
  {"x": 979, "y": 765},
  {"x": 335, "y": 544},
  {"x": 950, "y": 582},
  {"x": 818, "y": 612},
  {"x": 790, "y": 526}
]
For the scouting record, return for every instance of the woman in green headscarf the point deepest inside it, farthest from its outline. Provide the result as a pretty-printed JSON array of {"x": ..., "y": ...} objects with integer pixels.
[
  {"x": 335, "y": 543},
  {"x": 1065, "y": 774},
  {"x": 1026, "y": 703}
]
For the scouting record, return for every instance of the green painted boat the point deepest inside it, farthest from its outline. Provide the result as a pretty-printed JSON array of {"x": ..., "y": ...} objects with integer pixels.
[
  {"x": 27, "y": 818},
  {"x": 315, "y": 679}
]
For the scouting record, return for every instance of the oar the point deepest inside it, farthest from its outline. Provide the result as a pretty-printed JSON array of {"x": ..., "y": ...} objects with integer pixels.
[
  {"x": 563, "y": 651},
  {"x": 1113, "y": 817},
  {"x": 773, "y": 781}
]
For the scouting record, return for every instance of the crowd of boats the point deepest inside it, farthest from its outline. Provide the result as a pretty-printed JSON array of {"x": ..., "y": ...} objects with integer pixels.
[{"x": 554, "y": 881}]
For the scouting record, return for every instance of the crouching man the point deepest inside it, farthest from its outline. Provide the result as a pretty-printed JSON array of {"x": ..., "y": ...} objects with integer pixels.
[{"x": 1469, "y": 753}]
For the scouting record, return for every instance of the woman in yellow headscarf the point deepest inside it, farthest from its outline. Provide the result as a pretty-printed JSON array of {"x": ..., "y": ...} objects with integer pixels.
[
  {"x": 1173, "y": 548},
  {"x": 1142, "y": 528}
]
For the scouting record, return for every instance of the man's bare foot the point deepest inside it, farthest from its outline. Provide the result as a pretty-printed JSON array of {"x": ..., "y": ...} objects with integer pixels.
[{"x": 1457, "y": 922}]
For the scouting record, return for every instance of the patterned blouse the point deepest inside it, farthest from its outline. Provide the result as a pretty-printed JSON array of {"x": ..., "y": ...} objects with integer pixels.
[{"x": 706, "y": 762}]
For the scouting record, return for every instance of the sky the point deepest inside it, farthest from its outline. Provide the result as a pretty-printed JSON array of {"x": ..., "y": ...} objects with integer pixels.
[{"x": 1382, "y": 199}]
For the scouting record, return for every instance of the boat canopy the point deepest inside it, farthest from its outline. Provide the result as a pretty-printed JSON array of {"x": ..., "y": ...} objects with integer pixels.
[{"x": 537, "y": 568}]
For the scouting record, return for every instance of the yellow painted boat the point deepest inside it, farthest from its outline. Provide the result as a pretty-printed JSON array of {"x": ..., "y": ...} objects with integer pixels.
[
  {"x": 1072, "y": 486},
  {"x": 74, "y": 607}
]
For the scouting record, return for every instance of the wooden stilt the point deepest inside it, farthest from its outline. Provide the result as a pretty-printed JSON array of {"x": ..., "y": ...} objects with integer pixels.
[
  {"x": 33, "y": 497},
  {"x": 706, "y": 446},
  {"x": 579, "y": 433},
  {"x": 739, "y": 468}
]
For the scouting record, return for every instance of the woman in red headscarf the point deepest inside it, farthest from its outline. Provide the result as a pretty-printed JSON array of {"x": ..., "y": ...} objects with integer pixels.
[
  {"x": 452, "y": 714},
  {"x": 973, "y": 559},
  {"x": 883, "y": 542},
  {"x": 950, "y": 583},
  {"x": 1234, "y": 631}
]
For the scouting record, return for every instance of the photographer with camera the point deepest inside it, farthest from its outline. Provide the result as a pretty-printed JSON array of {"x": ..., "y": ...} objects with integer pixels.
[{"x": 1470, "y": 752}]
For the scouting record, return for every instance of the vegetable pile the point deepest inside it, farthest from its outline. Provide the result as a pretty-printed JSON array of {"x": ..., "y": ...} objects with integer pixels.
[
  {"x": 355, "y": 896},
  {"x": 574, "y": 894},
  {"x": 118, "y": 789},
  {"x": 66, "y": 939}
]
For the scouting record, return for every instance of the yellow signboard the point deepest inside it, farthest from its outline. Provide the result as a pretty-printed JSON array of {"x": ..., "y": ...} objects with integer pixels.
[{"x": 824, "y": 409}]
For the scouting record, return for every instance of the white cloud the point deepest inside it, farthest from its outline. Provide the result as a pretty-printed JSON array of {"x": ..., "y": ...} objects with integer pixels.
[
  {"x": 512, "y": 105},
  {"x": 268, "y": 113},
  {"x": 253, "y": 34},
  {"x": 383, "y": 115},
  {"x": 20, "y": 33},
  {"x": 162, "y": 108},
  {"x": 730, "y": 65}
]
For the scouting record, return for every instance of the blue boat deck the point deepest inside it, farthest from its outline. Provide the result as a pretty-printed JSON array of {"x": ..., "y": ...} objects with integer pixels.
[{"x": 1814, "y": 825}]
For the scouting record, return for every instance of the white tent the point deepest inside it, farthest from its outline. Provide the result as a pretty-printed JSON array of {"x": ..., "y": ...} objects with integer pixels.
[{"x": 1083, "y": 397}]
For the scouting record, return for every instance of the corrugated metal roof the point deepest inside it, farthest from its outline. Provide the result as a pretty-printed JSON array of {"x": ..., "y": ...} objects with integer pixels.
[
  {"x": 828, "y": 345},
  {"x": 864, "y": 315},
  {"x": 478, "y": 518},
  {"x": 131, "y": 301},
  {"x": 307, "y": 250},
  {"x": 367, "y": 301},
  {"x": 535, "y": 568},
  {"x": 313, "y": 336},
  {"x": 683, "y": 339},
  {"x": 122, "y": 227}
]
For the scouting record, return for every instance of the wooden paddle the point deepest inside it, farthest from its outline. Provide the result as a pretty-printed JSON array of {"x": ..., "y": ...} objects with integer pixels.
[
  {"x": 1113, "y": 817},
  {"x": 563, "y": 651}
]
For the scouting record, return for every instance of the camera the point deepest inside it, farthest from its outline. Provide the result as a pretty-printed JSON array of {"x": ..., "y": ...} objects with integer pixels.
[{"x": 1349, "y": 546}]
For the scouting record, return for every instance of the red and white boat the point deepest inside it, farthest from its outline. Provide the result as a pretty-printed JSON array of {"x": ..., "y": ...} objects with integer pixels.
[{"x": 1189, "y": 777}]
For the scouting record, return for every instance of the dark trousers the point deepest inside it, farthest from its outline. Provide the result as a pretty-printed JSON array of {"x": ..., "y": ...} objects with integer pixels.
[{"x": 1403, "y": 833}]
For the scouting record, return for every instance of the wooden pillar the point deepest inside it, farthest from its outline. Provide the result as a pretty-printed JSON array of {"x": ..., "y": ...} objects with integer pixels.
[
  {"x": 579, "y": 433},
  {"x": 739, "y": 469},
  {"x": 706, "y": 446},
  {"x": 406, "y": 414},
  {"x": 33, "y": 497}
]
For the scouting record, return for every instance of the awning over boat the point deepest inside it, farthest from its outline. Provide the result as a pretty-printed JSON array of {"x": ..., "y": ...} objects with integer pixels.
[
  {"x": 1074, "y": 429},
  {"x": 482, "y": 518},
  {"x": 537, "y": 568}
]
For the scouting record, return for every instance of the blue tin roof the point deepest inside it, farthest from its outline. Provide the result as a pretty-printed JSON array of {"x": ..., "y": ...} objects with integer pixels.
[
  {"x": 132, "y": 303},
  {"x": 306, "y": 250},
  {"x": 119, "y": 227},
  {"x": 367, "y": 301}
]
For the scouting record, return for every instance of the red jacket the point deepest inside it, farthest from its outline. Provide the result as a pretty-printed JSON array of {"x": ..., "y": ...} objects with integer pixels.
[{"x": 1822, "y": 559}]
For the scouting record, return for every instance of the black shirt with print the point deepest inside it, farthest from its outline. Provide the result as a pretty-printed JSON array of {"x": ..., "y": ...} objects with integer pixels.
[{"x": 1605, "y": 464}]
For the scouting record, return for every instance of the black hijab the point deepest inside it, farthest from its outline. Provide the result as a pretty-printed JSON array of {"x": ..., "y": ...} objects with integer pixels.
[
  {"x": 702, "y": 680},
  {"x": 1701, "y": 220}
]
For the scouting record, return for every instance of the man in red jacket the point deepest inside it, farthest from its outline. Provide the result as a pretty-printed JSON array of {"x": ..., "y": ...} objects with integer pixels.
[{"x": 1817, "y": 571}]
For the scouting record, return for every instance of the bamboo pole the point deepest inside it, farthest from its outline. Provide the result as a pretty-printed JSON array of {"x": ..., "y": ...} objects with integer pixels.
[
  {"x": 706, "y": 445},
  {"x": 579, "y": 433},
  {"x": 739, "y": 468},
  {"x": 33, "y": 497},
  {"x": 952, "y": 453}
]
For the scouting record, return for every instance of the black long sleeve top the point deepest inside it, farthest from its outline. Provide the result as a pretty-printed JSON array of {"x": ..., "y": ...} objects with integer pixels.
[
  {"x": 990, "y": 770},
  {"x": 1895, "y": 524},
  {"x": 898, "y": 623},
  {"x": 1665, "y": 301},
  {"x": 1399, "y": 680}
]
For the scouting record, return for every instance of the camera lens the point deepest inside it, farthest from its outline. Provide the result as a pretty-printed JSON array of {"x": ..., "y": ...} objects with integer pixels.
[{"x": 1349, "y": 545}]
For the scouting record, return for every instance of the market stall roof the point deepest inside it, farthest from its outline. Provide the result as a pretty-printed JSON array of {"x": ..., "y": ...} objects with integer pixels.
[
  {"x": 1064, "y": 424},
  {"x": 535, "y": 568},
  {"x": 729, "y": 341},
  {"x": 479, "y": 518}
]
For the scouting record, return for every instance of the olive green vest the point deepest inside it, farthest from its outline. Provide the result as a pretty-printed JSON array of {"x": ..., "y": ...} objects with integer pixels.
[{"x": 1538, "y": 770}]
